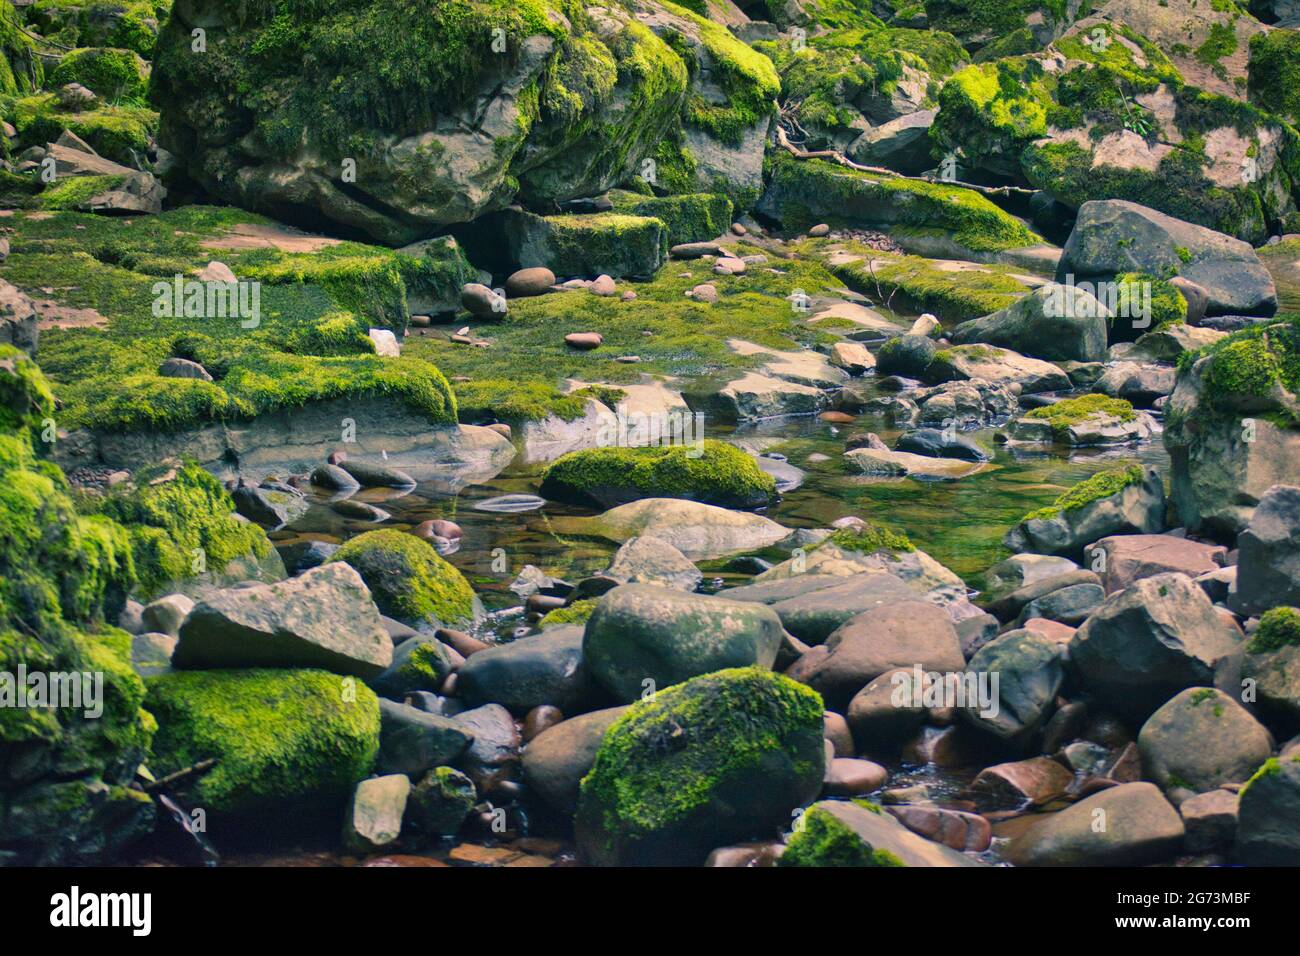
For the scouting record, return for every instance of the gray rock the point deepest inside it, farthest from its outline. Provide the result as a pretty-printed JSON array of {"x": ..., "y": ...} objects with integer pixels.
[
  {"x": 544, "y": 668},
  {"x": 908, "y": 355},
  {"x": 1210, "y": 820},
  {"x": 932, "y": 441},
  {"x": 1149, "y": 641},
  {"x": 439, "y": 803},
  {"x": 1268, "y": 815},
  {"x": 412, "y": 741},
  {"x": 1136, "y": 382},
  {"x": 1021, "y": 569},
  {"x": 1113, "y": 236},
  {"x": 641, "y": 633},
  {"x": 324, "y": 618},
  {"x": 1053, "y": 322},
  {"x": 373, "y": 474},
  {"x": 1268, "y": 567},
  {"x": 269, "y": 507},
  {"x": 881, "y": 832},
  {"x": 902, "y": 144},
  {"x": 1030, "y": 670},
  {"x": 1200, "y": 740},
  {"x": 167, "y": 614},
  {"x": 998, "y": 365},
  {"x": 151, "y": 653},
  {"x": 1069, "y": 605},
  {"x": 334, "y": 478},
  {"x": 649, "y": 560},
  {"x": 494, "y": 749},
  {"x": 18, "y": 319},
  {"x": 1009, "y": 606},
  {"x": 419, "y": 663},
  {"x": 1129, "y": 825}
]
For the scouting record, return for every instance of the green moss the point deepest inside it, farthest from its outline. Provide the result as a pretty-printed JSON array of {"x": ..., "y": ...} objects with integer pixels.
[
  {"x": 1101, "y": 485},
  {"x": 575, "y": 613},
  {"x": 284, "y": 741},
  {"x": 823, "y": 840},
  {"x": 124, "y": 24},
  {"x": 114, "y": 75},
  {"x": 118, "y": 132},
  {"x": 692, "y": 217},
  {"x": 74, "y": 192},
  {"x": 20, "y": 65},
  {"x": 1071, "y": 411},
  {"x": 1168, "y": 306},
  {"x": 408, "y": 579},
  {"x": 720, "y": 474},
  {"x": 1273, "y": 72},
  {"x": 662, "y": 762},
  {"x": 174, "y": 517},
  {"x": 1278, "y": 628},
  {"x": 869, "y": 539}
]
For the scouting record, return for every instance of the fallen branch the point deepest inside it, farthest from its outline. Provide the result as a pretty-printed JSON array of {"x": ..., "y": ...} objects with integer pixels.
[
  {"x": 203, "y": 766},
  {"x": 783, "y": 140}
]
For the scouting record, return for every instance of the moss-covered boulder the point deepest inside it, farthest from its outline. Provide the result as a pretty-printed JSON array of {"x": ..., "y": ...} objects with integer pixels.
[
  {"x": 408, "y": 579},
  {"x": 690, "y": 217},
  {"x": 1055, "y": 322},
  {"x": 1274, "y": 72},
  {"x": 1084, "y": 421},
  {"x": 1202, "y": 739},
  {"x": 1268, "y": 815},
  {"x": 1231, "y": 426},
  {"x": 611, "y": 243},
  {"x": 1113, "y": 501},
  {"x": 112, "y": 75},
  {"x": 125, "y": 24},
  {"x": 801, "y": 193},
  {"x": 716, "y": 474},
  {"x": 720, "y": 758},
  {"x": 286, "y": 742}
]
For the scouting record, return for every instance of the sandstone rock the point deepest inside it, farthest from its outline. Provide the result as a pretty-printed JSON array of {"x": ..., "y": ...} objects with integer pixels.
[
  {"x": 1200, "y": 740},
  {"x": 1127, "y": 558},
  {"x": 1138, "y": 826}
]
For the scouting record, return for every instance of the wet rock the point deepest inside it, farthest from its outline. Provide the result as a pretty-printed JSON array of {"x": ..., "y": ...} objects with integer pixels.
[
  {"x": 510, "y": 504},
  {"x": 334, "y": 478},
  {"x": 359, "y": 510},
  {"x": 543, "y": 669},
  {"x": 1149, "y": 641},
  {"x": 494, "y": 751},
  {"x": 374, "y": 818},
  {"x": 1033, "y": 782},
  {"x": 420, "y": 663},
  {"x": 373, "y": 474},
  {"x": 649, "y": 560},
  {"x": 639, "y": 633},
  {"x": 837, "y": 733},
  {"x": 555, "y": 762},
  {"x": 412, "y": 741},
  {"x": 1140, "y": 827},
  {"x": 849, "y": 777},
  {"x": 758, "y": 396},
  {"x": 909, "y": 355},
  {"x": 324, "y": 618},
  {"x": 901, "y": 464},
  {"x": 932, "y": 441},
  {"x": 269, "y": 507},
  {"x": 540, "y": 719},
  {"x": 438, "y": 527},
  {"x": 305, "y": 555},
  {"x": 1200, "y": 740},
  {"x": 968, "y": 832},
  {"x": 1022, "y": 569}
]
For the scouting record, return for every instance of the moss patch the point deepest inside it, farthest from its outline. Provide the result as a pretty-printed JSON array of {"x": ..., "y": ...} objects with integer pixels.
[
  {"x": 869, "y": 539},
  {"x": 575, "y": 613},
  {"x": 1101, "y": 485},
  {"x": 722, "y": 475},
  {"x": 1278, "y": 628},
  {"x": 824, "y": 840},
  {"x": 408, "y": 579}
]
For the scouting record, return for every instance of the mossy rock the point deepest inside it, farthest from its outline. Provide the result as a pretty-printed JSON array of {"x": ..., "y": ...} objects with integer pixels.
[
  {"x": 718, "y": 474},
  {"x": 719, "y": 758},
  {"x": 1273, "y": 74},
  {"x": 823, "y": 840},
  {"x": 125, "y": 24},
  {"x": 802, "y": 193},
  {"x": 286, "y": 742},
  {"x": 113, "y": 75},
  {"x": 610, "y": 243},
  {"x": 408, "y": 579},
  {"x": 693, "y": 217},
  {"x": 122, "y": 132},
  {"x": 1278, "y": 628}
]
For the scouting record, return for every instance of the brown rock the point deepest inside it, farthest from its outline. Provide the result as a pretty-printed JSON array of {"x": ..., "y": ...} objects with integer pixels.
[
  {"x": 461, "y": 642},
  {"x": 968, "y": 832},
  {"x": 849, "y": 777},
  {"x": 1131, "y": 557},
  {"x": 536, "y": 280},
  {"x": 819, "y": 230},
  {"x": 1035, "y": 782},
  {"x": 540, "y": 718},
  {"x": 837, "y": 418},
  {"x": 584, "y": 340}
]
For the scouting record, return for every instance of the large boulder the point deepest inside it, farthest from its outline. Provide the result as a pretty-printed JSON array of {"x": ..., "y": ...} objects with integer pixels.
[
  {"x": 699, "y": 531},
  {"x": 350, "y": 141},
  {"x": 610, "y": 243},
  {"x": 1201, "y": 740},
  {"x": 287, "y": 743},
  {"x": 1268, "y": 567},
  {"x": 1128, "y": 825},
  {"x": 1272, "y": 664},
  {"x": 720, "y": 758},
  {"x": 1124, "y": 558},
  {"x": 1054, "y": 322},
  {"x": 324, "y": 618},
  {"x": 812, "y": 616},
  {"x": 843, "y": 833},
  {"x": 998, "y": 365},
  {"x": 1149, "y": 641},
  {"x": 1230, "y": 426},
  {"x": 1030, "y": 669},
  {"x": 1113, "y": 236},
  {"x": 641, "y": 637},
  {"x": 18, "y": 319},
  {"x": 1119, "y": 501}
]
